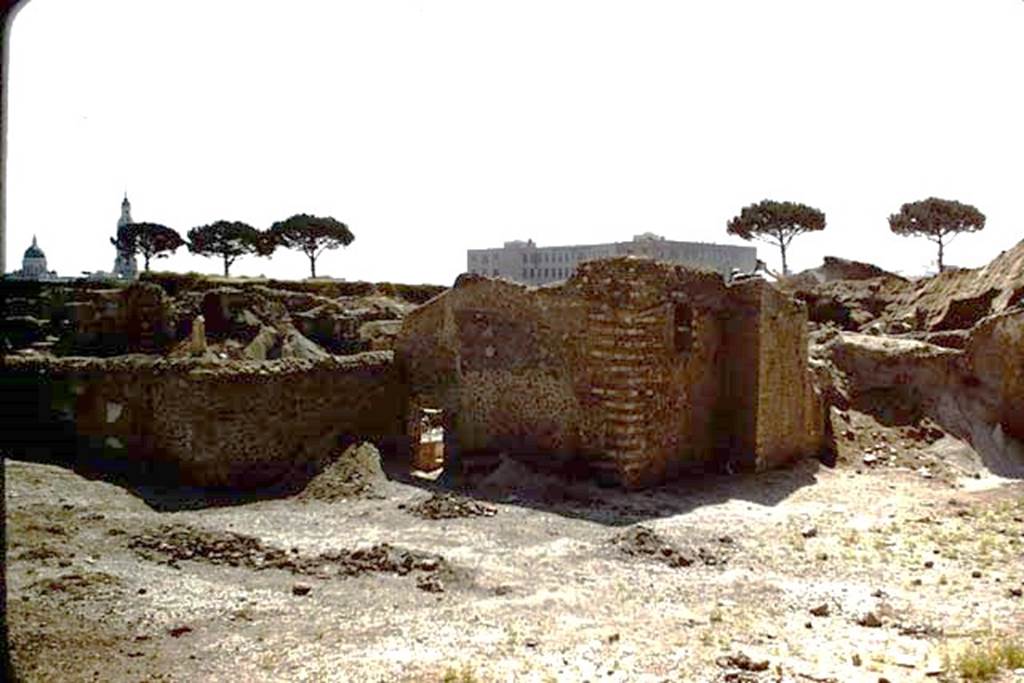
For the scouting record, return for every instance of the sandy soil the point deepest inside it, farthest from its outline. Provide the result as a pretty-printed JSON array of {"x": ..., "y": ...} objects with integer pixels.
[{"x": 808, "y": 574}]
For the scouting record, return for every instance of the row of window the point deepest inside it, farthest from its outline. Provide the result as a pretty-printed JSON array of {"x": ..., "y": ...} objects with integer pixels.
[
  {"x": 483, "y": 258},
  {"x": 546, "y": 273},
  {"x": 552, "y": 257}
]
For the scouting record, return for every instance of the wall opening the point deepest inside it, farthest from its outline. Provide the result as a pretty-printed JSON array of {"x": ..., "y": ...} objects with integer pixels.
[{"x": 682, "y": 328}]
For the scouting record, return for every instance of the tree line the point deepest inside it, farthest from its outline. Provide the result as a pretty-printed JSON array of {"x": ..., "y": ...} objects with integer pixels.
[
  {"x": 230, "y": 240},
  {"x": 939, "y": 220}
]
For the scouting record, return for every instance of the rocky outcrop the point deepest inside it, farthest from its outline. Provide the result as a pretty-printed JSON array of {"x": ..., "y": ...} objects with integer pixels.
[
  {"x": 960, "y": 299},
  {"x": 853, "y": 304},
  {"x": 835, "y": 268},
  {"x": 860, "y": 297},
  {"x": 975, "y": 393},
  {"x": 994, "y": 358}
]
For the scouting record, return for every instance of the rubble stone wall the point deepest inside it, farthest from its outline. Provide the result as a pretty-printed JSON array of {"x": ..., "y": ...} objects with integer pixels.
[
  {"x": 641, "y": 367},
  {"x": 237, "y": 424},
  {"x": 790, "y": 416}
]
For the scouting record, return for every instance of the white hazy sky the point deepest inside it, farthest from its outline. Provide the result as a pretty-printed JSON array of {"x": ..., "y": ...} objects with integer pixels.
[{"x": 433, "y": 126}]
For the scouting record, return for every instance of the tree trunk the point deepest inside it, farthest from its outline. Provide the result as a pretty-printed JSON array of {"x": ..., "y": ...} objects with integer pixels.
[
  {"x": 940, "y": 254},
  {"x": 782, "y": 248},
  {"x": 312, "y": 265},
  {"x": 227, "y": 264},
  {"x": 146, "y": 256}
]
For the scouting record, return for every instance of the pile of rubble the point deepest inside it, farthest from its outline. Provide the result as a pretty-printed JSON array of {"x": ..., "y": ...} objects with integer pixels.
[
  {"x": 173, "y": 544},
  {"x": 643, "y": 542},
  {"x": 451, "y": 506}
]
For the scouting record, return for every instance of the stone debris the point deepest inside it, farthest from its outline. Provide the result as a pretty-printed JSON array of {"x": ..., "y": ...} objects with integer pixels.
[
  {"x": 174, "y": 544},
  {"x": 430, "y": 583},
  {"x": 742, "y": 661},
  {"x": 870, "y": 620},
  {"x": 643, "y": 542},
  {"x": 451, "y": 506},
  {"x": 821, "y": 610},
  {"x": 79, "y": 586}
]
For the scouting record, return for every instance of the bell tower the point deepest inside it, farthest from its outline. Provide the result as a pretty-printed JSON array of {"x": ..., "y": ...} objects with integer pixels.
[
  {"x": 125, "y": 266},
  {"x": 126, "y": 212}
]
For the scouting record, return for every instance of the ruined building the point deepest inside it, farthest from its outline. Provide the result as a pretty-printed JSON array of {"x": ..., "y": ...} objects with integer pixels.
[{"x": 641, "y": 368}]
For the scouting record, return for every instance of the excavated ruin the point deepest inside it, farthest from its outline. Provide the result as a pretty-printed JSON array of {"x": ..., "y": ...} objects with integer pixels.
[
  {"x": 637, "y": 369},
  {"x": 640, "y": 368}
]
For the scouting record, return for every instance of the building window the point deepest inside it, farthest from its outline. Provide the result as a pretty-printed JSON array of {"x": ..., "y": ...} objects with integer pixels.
[{"x": 524, "y": 258}]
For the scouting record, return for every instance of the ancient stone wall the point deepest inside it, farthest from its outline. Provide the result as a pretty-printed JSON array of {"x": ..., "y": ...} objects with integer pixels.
[
  {"x": 790, "y": 418},
  {"x": 134, "y": 319},
  {"x": 236, "y": 424},
  {"x": 640, "y": 367}
]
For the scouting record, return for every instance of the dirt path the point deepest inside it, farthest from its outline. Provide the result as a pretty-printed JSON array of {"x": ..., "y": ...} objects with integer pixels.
[{"x": 823, "y": 574}]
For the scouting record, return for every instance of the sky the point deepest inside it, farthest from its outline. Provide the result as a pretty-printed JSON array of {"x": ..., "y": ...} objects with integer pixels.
[{"x": 433, "y": 126}]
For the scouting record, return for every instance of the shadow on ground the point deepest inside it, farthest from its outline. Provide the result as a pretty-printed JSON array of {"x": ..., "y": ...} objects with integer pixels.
[
  {"x": 563, "y": 492},
  {"x": 572, "y": 496}
]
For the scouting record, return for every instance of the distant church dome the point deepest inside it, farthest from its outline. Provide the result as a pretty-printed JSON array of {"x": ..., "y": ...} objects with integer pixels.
[
  {"x": 33, "y": 265},
  {"x": 34, "y": 252}
]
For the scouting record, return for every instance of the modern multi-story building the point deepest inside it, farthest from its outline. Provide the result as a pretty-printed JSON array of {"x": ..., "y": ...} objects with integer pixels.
[{"x": 526, "y": 262}]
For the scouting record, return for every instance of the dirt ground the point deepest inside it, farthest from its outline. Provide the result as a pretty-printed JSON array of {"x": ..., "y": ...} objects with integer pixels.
[{"x": 864, "y": 572}]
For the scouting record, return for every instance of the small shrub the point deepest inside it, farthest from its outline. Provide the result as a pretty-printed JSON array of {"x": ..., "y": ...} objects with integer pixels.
[
  {"x": 1012, "y": 655},
  {"x": 983, "y": 662},
  {"x": 465, "y": 675}
]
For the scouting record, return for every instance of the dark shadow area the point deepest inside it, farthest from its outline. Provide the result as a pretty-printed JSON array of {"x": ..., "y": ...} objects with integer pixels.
[
  {"x": 564, "y": 487},
  {"x": 896, "y": 406},
  {"x": 571, "y": 489},
  {"x": 159, "y": 483}
]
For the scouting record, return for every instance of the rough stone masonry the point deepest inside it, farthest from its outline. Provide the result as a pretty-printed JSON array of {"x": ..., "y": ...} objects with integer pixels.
[{"x": 641, "y": 368}]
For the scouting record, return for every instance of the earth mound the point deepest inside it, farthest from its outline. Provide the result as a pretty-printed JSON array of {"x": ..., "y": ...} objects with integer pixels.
[{"x": 355, "y": 472}]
